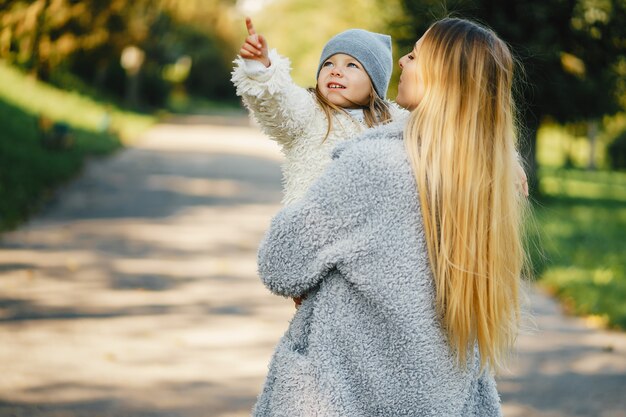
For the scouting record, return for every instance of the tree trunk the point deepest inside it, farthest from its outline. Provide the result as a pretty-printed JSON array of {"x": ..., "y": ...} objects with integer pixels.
[
  {"x": 592, "y": 135},
  {"x": 132, "y": 90},
  {"x": 37, "y": 69}
]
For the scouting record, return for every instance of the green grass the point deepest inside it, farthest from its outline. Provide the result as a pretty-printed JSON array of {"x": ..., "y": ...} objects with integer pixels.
[
  {"x": 78, "y": 110},
  {"x": 28, "y": 171},
  {"x": 581, "y": 222}
]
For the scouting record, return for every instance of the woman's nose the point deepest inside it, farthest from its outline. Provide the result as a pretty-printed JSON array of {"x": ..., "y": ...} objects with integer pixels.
[{"x": 400, "y": 63}]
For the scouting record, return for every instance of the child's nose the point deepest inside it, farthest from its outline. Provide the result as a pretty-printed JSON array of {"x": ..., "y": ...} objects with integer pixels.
[
  {"x": 400, "y": 63},
  {"x": 336, "y": 71}
]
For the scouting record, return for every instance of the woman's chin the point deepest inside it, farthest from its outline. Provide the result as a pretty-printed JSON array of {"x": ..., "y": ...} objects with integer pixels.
[
  {"x": 401, "y": 102},
  {"x": 406, "y": 104}
]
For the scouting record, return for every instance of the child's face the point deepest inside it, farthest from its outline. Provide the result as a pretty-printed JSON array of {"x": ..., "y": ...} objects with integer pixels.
[
  {"x": 410, "y": 87},
  {"x": 344, "y": 82}
]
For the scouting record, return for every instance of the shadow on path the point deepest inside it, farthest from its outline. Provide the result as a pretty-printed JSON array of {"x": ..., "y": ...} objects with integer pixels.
[
  {"x": 134, "y": 293},
  {"x": 565, "y": 368}
]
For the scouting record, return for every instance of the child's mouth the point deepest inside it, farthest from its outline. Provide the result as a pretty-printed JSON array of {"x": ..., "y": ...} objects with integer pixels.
[{"x": 335, "y": 86}]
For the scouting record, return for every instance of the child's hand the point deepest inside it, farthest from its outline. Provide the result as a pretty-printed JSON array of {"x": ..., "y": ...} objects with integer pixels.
[
  {"x": 255, "y": 46},
  {"x": 522, "y": 180}
]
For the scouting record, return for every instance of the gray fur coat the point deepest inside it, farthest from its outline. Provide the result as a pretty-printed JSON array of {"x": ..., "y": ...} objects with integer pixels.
[{"x": 366, "y": 341}]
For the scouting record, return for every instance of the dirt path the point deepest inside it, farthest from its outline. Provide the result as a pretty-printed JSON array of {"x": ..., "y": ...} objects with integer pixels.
[{"x": 135, "y": 294}]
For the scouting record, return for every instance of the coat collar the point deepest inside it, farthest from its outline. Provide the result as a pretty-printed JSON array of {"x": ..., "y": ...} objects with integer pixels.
[{"x": 390, "y": 131}]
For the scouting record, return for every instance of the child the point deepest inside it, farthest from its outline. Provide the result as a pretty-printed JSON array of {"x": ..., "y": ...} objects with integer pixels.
[{"x": 352, "y": 80}]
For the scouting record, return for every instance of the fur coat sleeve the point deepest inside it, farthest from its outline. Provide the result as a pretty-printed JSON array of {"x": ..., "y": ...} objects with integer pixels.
[
  {"x": 308, "y": 238},
  {"x": 283, "y": 109},
  {"x": 367, "y": 340}
]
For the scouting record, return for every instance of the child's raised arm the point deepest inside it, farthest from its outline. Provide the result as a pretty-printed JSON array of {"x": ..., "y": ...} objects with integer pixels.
[
  {"x": 255, "y": 46},
  {"x": 261, "y": 76}
]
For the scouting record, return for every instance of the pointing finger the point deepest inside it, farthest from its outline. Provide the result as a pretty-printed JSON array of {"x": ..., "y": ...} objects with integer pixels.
[{"x": 250, "y": 27}]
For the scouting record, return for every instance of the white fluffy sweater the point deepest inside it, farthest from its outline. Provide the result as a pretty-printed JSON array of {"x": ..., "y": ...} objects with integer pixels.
[{"x": 291, "y": 116}]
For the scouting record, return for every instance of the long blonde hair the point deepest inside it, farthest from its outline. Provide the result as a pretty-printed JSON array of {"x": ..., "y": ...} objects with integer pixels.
[{"x": 461, "y": 141}]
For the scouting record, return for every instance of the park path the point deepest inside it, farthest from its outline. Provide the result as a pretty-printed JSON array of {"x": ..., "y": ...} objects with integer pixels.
[{"x": 134, "y": 294}]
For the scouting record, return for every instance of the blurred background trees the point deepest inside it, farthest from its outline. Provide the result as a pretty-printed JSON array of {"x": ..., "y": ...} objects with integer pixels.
[
  {"x": 573, "y": 52},
  {"x": 150, "y": 54},
  {"x": 79, "y": 44},
  {"x": 572, "y": 55}
]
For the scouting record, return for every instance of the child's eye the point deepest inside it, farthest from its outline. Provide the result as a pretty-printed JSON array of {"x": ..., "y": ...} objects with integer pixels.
[
  {"x": 353, "y": 65},
  {"x": 327, "y": 64},
  {"x": 411, "y": 57}
]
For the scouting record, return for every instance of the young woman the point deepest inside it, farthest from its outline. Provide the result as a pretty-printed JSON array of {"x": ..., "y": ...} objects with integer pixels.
[{"x": 408, "y": 249}]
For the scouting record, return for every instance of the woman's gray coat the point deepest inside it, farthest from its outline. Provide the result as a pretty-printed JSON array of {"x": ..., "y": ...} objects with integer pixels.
[{"x": 366, "y": 340}]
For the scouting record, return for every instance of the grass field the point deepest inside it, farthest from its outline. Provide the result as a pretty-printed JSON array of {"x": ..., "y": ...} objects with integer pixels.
[
  {"x": 30, "y": 171},
  {"x": 581, "y": 246}
]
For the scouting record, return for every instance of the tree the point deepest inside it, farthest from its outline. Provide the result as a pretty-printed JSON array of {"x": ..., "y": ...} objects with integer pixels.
[
  {"x": 570, "y": 53},
  {"x": 79, "y": 44}
]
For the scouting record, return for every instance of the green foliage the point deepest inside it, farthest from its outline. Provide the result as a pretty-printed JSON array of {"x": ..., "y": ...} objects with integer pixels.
[
  {"x": 209, "y": 73},
  {"x": 569, "y": 50},
  {"x": 578, "y": 248},
  {"x": 72, "y": 107},
  {"x": 572, "y": 55},
  {"x": 617, "y": 152},
  {"x": 28, "y": 170},
  {"x": 87, "y": 39},
  {"x": 582, "y": 256},
  {"x": 568, "y": 147}
]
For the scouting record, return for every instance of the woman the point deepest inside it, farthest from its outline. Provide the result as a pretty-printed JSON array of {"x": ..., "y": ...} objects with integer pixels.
[{"x": 408, "y": 249}]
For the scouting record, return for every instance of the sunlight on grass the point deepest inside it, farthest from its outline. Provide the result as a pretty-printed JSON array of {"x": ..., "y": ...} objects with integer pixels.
[
  {"x": 563, "y": 183},
  {"x": 30, "y": 168},
  {"x": 599, "y": 292},
  {"x": 585, "y": 261},
  {"x": 73, "y": 108},
  {"x": 581, "y": 226},
  {"x": 560, "y": 146},
  {"x": 552, "y": 142}
]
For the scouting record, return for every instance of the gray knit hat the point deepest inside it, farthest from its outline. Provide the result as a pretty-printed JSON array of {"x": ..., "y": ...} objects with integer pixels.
[{"x": 372, "y": 50}]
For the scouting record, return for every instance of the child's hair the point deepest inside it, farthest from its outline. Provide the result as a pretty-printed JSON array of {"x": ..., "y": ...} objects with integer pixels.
[
  {"x": 461, "y": 142},
  {"x": 375, "y": 112}
]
